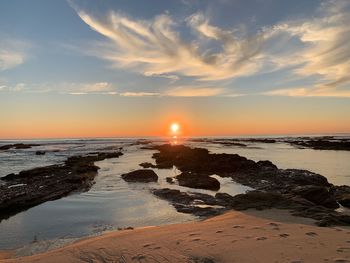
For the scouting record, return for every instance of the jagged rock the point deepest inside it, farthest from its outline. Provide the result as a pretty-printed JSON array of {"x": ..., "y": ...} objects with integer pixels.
[
  {"x": 256, "y": 199},
  {"x": 318, "y": 195},
  {"x": 323, "y": 144},
  {"x": 342, "y": 194},
  {"x": 28, "y": 188},
  {"x": 17, "y": 146},
  {"x": 142, "y": 175},
  {"x": 147, "y": 165},
  {"x": 201, "y": 181}
]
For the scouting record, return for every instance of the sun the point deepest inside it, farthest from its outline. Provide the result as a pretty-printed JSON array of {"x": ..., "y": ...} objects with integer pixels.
[{"x": 174, "y": 127}]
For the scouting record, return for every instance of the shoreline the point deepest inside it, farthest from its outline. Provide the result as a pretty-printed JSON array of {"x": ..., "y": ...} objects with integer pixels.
[{"x": 253, "y": 236}]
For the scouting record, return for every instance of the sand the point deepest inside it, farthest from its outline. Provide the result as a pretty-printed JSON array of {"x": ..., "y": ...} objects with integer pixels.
[{"x": 267, "y": 236}]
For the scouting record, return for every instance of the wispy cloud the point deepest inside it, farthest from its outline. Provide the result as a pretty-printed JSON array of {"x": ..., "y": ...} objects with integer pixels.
[
  {"x": 156, "y": 48},
  {"x": 139, "y": 94},
  {"x": 12, "y": 53},
  {"x": 190, "y": 91},
  {"x": 317, "y": 46}
]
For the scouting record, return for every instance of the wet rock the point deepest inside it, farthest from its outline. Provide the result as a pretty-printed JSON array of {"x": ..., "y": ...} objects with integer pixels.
[
  {"x": 17, "y": 146},
  {"x": 199, "y": 160},
  {"x": 267, "y": 165},
  {"x": 147, "y": 165},
  {"x": 318, "y": 195},
  {"x": 342, "y": 194},
  {"x": 256, "y": 199},
  {"x": 28, "y": 188},
  {"x": 323, "y": 144},
  {"x": 201, "y": 181},
  {"x": 142, "y": 175},
  {"x": 170, "y": 180}
]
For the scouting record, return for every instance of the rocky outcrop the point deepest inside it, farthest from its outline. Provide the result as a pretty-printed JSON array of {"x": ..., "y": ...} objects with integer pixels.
[
  {"x": 323, "y": 144},
  {"x": 142, "y": 176},
  {"x": 147, "y": 165},
  {"x": 262, "y": 175},
  {"x": 318, "y": 195},
  {"x": 28, "y": 188},
  {"x": 200, "y": 181},
  {"x": 206, "y": 205},
  {"x": 17, "y": 146},
  {"x": 307, "y": 194},
  {"x": 342, "y": 194}
]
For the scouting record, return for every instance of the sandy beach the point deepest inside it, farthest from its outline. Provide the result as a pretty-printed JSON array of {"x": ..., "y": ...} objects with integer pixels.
[{"x": 256, "y": 236}]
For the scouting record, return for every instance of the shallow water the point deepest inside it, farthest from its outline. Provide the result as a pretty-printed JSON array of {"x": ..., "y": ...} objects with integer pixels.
[{"x": 112, "y": 203}]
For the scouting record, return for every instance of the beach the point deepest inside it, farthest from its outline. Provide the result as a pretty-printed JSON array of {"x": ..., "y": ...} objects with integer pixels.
[{"x": 256, "y": 236}]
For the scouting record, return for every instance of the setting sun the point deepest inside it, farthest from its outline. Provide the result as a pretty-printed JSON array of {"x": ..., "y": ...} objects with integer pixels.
[{"x": 174, "y": 127}]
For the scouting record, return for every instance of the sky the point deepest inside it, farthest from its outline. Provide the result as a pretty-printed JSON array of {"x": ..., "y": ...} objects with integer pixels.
[{"x": 79, "y": 68}]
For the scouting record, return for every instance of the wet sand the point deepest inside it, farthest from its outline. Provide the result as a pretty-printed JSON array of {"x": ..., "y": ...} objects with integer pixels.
[{"x": 256, "y": 236}]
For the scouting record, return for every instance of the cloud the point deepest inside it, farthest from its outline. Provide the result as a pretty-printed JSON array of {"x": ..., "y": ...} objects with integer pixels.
[
  {"x": 139, "y": 94},
  {"x": 322, "y": 91},
  {"x": 189, "y": 91},
  {"x": 316, "y": 47},
  {"x": 154, "y": 48},
  {"x": 12, "y": 53}
]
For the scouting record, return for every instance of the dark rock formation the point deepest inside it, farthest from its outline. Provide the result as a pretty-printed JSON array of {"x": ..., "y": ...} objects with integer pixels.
[
  {"x": 206, "y": 205},
  {"x": 319, "y": 195},
  {"x": 142, "y": 175},
  {"x": 323, "y": 144},
  {"x": 342, "y": 194},
  {"x": 40, "y": 152},
  {"x": 195, "y": 180},
  {"x": 28, "y": 188},
  {"x": 147, "y": 165},
  {"x": 306, "y": 193},
  {"x": 17, "y": 146}
]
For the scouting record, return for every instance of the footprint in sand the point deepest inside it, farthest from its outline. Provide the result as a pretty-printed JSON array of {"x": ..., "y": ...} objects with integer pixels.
[
  {"x": 284, "y": 235},
  {"x": 311, "y": 234},
  {"x": 196, "y": 239},
  {"x": 193, "y": 234},
  {"x": 238, "y": 226},
  {"x": 147, "y": 245},
  {"x": 156, "y": 248},
  {"x": 343, "y": 249},
  {"x": 138, "y": 257},
  {"x": 340, "y": 260},
  {"x": 296, "y": 261},
  {"x": 273, "y": 224},
  {"x": 261, "y": 238},
  {"x": 219, "y": 231}
]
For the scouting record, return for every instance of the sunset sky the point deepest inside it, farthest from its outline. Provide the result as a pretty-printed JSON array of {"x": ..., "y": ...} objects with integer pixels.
[{"x": 131, "y": 68}]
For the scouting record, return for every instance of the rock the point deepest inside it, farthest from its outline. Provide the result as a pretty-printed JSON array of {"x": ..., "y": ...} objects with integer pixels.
[
  {"x": 256, "y": 199},
  {"x": 191, "y": 203},
  {"x": 28, "y": 188},
  {"x": 267, "y": 164},
  {"x": 142, "y": 175},
  {"x": 342, "y": 194},
  {"x": 319, "y": 195},
  {"x": 199, "y": 160},
  {"x": 323, "y": 144},
  {"x": 147, "y": 165},
  {"x": 170, "y": 180},
  {"x": 201, "y": 181},
  {"x": 17, "y": 146},
  {"x": 40, "y": 152}
]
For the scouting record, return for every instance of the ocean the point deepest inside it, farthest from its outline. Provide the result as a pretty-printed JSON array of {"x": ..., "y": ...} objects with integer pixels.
[{"x": 113, "y": 203}]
